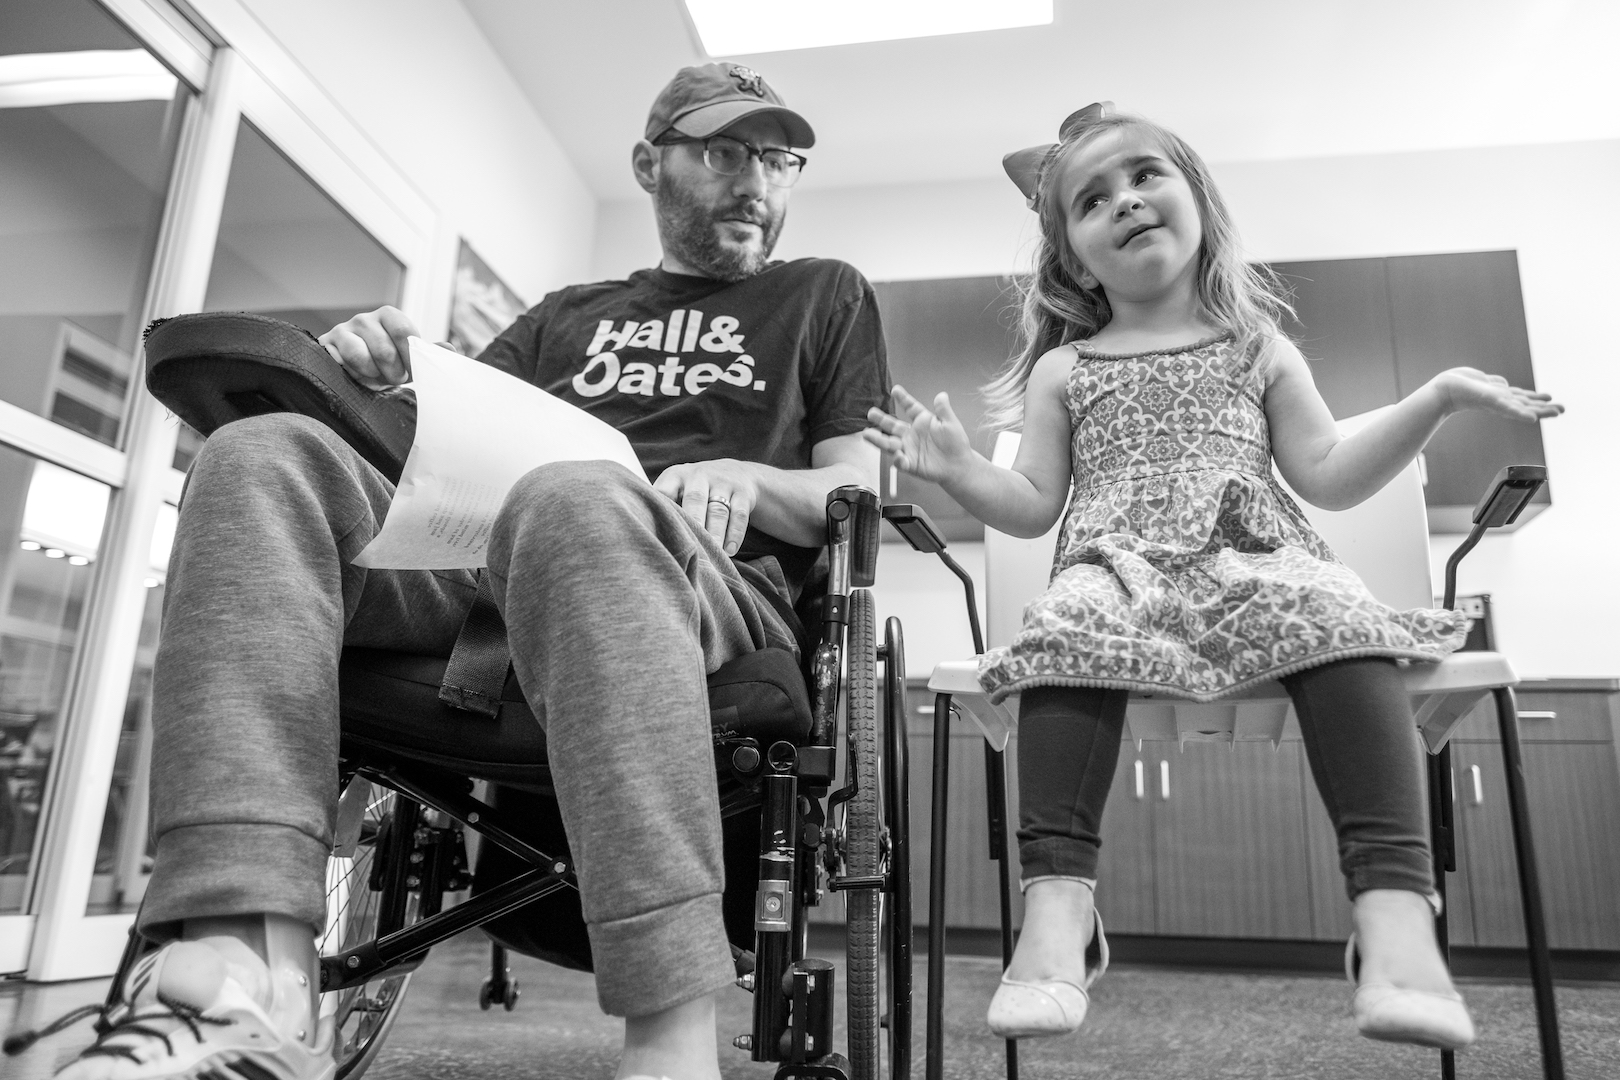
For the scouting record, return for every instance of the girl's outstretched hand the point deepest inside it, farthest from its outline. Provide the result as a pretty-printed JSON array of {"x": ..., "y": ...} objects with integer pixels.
[
  {"x": 932, "y": 445},
  {"x": 1468, "y": 389}
]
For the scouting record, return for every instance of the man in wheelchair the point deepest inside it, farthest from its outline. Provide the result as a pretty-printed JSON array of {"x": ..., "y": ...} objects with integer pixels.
[{"x": 743, "y": 385}]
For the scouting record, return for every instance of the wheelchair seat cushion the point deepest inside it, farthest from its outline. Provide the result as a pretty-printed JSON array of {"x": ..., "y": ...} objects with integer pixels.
[{"x": 390, "y": 701}]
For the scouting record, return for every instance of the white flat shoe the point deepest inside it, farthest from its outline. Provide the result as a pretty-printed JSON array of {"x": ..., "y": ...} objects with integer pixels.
[
  {"x": 1394, "y": 1014},
  {"x": 1033, "y": 1010}
]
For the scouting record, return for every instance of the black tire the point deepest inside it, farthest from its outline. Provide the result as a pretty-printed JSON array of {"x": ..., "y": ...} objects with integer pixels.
[
  {"x": 863, "y": 842},
  {"x": 362, "y": 1015}
]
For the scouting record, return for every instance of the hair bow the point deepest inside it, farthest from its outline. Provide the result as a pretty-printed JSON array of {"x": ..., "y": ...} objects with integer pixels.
[{"x": 1024, "y": 166}]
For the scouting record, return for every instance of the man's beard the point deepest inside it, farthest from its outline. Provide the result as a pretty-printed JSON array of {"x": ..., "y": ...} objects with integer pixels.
[{"x": 690, "y": 232}]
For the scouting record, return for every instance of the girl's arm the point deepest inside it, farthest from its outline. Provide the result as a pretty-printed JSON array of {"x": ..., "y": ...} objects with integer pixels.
[
  {"x": 932, "y": 444},
  {"x": 1336, "y": 472}
]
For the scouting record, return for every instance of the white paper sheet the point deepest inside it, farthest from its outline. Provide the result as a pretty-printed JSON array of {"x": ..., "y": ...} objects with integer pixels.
[{"x": 478, "y": 431}]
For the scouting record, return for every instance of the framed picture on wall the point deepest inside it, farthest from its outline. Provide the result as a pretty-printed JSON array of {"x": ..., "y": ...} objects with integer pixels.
[{"x": 481, "y": 305}]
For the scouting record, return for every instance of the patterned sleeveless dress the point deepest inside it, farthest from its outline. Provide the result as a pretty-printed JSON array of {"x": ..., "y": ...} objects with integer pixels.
[{"x": 1182, "y": 567}]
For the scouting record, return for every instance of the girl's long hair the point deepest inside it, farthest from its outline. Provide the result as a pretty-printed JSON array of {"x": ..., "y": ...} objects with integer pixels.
[{"x": 1246, "y": 300}]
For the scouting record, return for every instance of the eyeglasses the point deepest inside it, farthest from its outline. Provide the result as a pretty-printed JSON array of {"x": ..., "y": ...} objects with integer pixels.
[{"x": 728, "y": 157}]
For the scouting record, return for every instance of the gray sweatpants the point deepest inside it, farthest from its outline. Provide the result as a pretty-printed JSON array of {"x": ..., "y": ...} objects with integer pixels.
[{"x": 616, "y": 607}]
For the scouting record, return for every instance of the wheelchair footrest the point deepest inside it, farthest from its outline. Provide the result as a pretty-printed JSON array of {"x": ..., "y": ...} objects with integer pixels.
[{"x": 808, "y": 984}]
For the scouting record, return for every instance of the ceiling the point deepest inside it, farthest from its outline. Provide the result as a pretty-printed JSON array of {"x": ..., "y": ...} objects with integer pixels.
[{"x": 1242, "y": 80}]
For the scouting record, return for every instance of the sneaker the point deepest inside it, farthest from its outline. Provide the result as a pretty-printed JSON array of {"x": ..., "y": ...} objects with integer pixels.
[{"x": 190, "y": 1013}]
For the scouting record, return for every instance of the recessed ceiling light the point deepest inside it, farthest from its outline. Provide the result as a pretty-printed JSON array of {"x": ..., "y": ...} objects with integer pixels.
[{"x": 729, "y": 27}]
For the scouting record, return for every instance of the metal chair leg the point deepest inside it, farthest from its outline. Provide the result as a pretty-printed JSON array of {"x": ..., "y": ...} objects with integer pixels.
[
  {"x": 995, "y": 777},
  {"x": 1535, "y": 923},
  {"x": 935, "y": 1053},
  {"x": 1443, "y": 850}
]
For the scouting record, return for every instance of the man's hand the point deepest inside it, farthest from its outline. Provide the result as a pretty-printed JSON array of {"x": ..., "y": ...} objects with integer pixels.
[
  {"x": 719, "y": 496},
  {"x": 373, "y": 347}
]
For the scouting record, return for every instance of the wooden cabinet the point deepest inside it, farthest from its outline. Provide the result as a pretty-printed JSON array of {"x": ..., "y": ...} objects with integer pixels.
[
  {"x": 1194, "y": 849},
  {"x": 1573, "y": 779},
  {"x": 1223, "y": 841},
  {"x": 972, "y": 885},
  {"x": 1374, "y": 330},
  {"x": 1126, "y": 879},
  {"x": 1229, "y": 841}
]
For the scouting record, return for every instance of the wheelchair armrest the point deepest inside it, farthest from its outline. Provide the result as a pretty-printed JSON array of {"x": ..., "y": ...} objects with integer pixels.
[{"x": 852, "y": 537}]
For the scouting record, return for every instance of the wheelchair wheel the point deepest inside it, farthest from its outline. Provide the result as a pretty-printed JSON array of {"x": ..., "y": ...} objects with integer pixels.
[
  {"x": 359, "y": 893},
  {"x": 863, "y": 842}
]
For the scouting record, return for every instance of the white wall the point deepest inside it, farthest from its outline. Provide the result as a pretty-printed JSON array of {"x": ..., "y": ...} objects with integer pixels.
[
  {"x": 422, "y": 82},
  {"x": 1554, "y": 583}
]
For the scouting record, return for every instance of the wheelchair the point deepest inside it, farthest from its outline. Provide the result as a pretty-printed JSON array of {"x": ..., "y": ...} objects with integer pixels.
[{"x": 421, "y": 765}]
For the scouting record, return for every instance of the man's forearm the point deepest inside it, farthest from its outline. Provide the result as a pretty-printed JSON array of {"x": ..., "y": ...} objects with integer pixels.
[{"x": 793, "y": 503}]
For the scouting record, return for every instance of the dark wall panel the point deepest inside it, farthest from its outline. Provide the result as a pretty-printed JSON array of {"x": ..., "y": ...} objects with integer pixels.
[
  {"x": 1342, "y": 327},
  {"x": 1464, "y": 310},
  {"x": 951, "y": 335}
]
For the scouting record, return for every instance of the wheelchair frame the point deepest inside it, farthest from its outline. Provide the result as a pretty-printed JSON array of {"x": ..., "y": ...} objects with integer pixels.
[{"x": 793, "y": 994}]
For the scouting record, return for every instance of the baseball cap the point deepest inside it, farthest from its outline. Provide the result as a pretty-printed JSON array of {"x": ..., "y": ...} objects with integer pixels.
[{"x": 703, "y": 101}]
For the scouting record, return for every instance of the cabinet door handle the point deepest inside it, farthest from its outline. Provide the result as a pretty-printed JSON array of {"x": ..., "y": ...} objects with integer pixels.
[
  {"x": 1479, "y": 789},
  {"x": 1164, "y": 780},
  {"x": 1141, "y": 791},
  {"x": 1539, "y": 714}
]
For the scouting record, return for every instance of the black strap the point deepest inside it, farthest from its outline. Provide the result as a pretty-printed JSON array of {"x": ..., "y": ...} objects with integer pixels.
[{"x": 476, "y": 675}]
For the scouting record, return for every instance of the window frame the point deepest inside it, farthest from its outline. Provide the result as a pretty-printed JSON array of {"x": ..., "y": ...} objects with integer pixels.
[{"x": 237, "y": 72}]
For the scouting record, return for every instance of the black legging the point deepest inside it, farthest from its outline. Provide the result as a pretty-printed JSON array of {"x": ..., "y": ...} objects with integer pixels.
[{"x": 1360, "y": 739}]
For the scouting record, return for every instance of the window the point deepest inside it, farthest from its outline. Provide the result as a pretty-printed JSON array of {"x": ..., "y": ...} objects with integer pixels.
[
  {"x": 88, "y": 127},
  {"x": 51, "y": 524}
]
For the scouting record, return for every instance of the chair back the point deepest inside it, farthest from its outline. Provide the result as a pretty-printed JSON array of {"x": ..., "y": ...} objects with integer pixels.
[{"x": 1385, "y": 540}]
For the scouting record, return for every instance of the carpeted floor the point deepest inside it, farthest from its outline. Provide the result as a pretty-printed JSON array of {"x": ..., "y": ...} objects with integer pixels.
[{"x": 1145, "y": 1022}]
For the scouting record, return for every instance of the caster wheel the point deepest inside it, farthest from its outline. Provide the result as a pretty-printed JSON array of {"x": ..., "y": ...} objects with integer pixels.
[
  {"x": 484, "y": 998},
  {"x": 512, "y": 993}
]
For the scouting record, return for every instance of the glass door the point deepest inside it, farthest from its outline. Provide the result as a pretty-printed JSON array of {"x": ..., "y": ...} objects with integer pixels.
[
  {"x": 287, "y": 251},
  {"x": 89, "y": 127},
  {"x": 126, "y": 195}
]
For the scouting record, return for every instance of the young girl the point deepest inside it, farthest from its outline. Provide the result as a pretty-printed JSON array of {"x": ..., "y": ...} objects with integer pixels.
[{"x": 1154, "y": 378}]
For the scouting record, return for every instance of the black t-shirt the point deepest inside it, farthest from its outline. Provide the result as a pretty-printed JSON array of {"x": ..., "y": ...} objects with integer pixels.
[{"x": 693, "y": 369}]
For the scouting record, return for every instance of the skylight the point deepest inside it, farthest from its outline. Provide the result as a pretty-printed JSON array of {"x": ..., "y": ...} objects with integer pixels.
[{"x": 729, "y": 27}]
